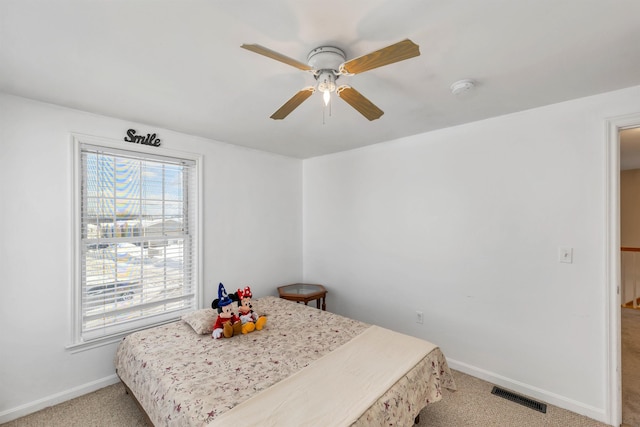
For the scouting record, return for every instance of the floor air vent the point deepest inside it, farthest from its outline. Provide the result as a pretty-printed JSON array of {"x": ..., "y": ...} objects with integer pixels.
[{"x": 525, "y": 401}]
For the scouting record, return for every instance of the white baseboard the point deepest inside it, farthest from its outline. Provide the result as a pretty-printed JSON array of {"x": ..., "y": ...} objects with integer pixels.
[
  {"x": 63, "y": 396},
  {"x": 545, "y": 396}
]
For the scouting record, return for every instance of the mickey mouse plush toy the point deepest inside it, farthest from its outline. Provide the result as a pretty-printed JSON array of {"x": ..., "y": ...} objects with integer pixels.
[
  {"x": 227, "y": 324},
  {"x": 249, "y": 318}
]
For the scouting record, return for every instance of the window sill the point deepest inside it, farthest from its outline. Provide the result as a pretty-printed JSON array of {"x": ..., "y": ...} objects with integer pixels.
[{"x": 90, "y": 345}]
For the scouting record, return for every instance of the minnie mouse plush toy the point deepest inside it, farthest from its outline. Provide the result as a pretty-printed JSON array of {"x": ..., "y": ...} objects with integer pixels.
[
  {"x": 227, "y": 324},
  {"x": 249, "y": 318}
]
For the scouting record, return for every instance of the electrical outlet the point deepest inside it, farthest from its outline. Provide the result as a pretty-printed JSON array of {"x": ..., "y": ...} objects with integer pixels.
[{"x": 419, "y": 317}]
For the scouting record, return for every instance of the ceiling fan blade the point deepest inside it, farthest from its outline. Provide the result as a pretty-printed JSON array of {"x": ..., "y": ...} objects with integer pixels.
[
  {"x": 277, "y": 56},
  {"x": 387, "y": 55},
  {"x": 293, "y": 103},
  {"x": 359, "y": 102}
]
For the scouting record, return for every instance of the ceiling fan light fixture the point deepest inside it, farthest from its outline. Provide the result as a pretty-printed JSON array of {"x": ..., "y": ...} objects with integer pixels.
[{"x": 326, "y": 84}]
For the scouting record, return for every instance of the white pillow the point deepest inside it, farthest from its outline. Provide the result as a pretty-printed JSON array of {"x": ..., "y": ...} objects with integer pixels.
[{"x": 201, "y": 321}]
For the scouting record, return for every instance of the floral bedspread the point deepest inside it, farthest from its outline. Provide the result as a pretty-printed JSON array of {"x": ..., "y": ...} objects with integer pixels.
[{"x": 185, "y": 379}]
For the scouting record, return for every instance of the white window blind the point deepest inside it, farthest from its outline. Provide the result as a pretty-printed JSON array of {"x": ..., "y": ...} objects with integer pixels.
[{"x": 138, "y": 222}]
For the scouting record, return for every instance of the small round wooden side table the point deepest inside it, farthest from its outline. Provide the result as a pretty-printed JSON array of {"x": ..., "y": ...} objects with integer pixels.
[{"x": 304, "y": 292}]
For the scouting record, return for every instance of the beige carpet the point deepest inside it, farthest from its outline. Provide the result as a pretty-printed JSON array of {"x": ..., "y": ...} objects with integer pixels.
[
  {"x": 107, "y": 407},
  {"x": 630, "y": 367},
  {"x": 472, "y": 405}
]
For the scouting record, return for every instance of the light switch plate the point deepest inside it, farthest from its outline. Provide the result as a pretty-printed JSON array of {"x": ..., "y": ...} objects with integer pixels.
[{"x": 565, "y": 255}]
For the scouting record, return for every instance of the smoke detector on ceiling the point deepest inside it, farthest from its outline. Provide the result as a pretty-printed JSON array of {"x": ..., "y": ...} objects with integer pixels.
[{"x": 462, "y": 86}]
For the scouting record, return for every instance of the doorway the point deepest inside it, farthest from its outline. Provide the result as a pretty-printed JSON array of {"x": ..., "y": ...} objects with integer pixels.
[
  {"x": 629, "y": 190},
  {"x": 612, "y": 264}
]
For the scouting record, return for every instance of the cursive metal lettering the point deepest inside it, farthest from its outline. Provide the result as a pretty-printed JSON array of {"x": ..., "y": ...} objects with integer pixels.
[{"x": 149, "y": 139}]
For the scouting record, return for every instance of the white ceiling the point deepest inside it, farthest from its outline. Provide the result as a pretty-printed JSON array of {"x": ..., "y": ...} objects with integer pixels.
[{"x": 178, "y": 64}]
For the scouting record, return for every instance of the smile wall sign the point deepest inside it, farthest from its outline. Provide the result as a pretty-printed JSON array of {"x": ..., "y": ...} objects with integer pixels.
[{"x": 148, "y": 139}]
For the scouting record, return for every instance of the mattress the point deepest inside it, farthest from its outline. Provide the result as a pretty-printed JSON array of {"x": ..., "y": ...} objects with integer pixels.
[{"x": 182, "y": 378}]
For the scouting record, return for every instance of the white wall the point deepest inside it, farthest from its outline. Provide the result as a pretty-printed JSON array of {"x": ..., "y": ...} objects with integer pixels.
[
  {"x": 464, "y": 224},
  {"x": 252, "y": 235}
]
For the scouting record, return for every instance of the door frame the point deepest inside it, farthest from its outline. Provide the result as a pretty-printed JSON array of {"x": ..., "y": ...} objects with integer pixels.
[{"x": 613, "y": 126}]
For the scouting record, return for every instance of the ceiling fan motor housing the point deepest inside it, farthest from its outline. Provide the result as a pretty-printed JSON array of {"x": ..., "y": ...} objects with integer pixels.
[{"x": 326, "y": 58}]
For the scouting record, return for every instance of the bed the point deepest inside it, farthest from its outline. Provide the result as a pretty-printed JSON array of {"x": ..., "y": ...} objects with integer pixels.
[{"x": 306, "y": 367}]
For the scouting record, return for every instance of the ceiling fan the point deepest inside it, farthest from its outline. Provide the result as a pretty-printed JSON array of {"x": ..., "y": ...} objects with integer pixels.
[{"x": 327, "y": 63}]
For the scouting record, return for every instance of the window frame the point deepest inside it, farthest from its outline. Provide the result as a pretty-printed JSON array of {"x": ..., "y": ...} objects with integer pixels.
[{"x": 77, "y": 342}]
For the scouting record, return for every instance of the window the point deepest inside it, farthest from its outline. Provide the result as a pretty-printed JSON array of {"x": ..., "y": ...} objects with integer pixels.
[{"x": 137, "y": 246}]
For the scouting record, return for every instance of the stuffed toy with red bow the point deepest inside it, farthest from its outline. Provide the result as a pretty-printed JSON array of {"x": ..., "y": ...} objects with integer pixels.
[
  {"x": 249, "y": 318},
  {"x": 227, "y": 324}
]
